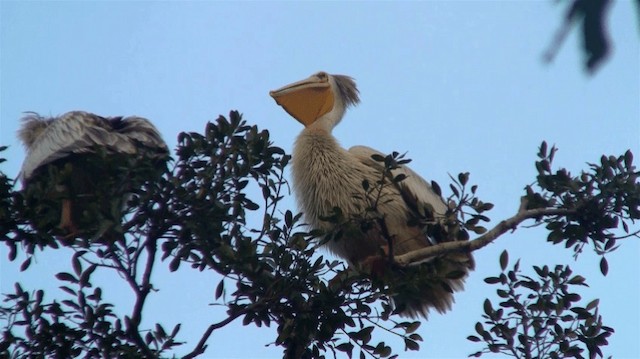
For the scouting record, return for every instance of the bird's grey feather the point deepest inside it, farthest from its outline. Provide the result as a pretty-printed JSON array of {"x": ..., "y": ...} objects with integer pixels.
[
  {"x": 347, "y": 89},
  {"x": 50, "y": 139}
]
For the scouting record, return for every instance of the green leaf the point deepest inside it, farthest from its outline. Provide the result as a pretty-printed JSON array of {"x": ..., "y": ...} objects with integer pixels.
[
  {"x": 488, "y": 309},
  {"x": 67, "y": 277},
  {"x": 504, "y": 260},
  {"x": 556, "y": 236},
  {"x": 86, "y": 275},
  {"x": 581, "y": 312},
  {"x": 288, "y": 218},
  {"x": 454, "y": 190},
  {"x": 365, "y": 185},
  {"x": 412, "y": 327},
  {"x": 479, "y": 230},
  {"x": 399, "y": 178},
  {"x": 436, "y": 188},
  {"x": 543, "y": 150},
  {"x": 382, "y": 350},
  {"x": 161, "y": 333},
  {"x": 363, "y": 335},
  {"x": 68, "y": 290},
  {"x": 593, "y": 304},
  {"x": 75, "y": 262},
  {"x": 266, "y": 192},
  {"x": 628, "y": 160},
  {"x": 411, "y": 344},
  {"x": 25, "y": 265},
  {"x": 219, "y": 289},
  {"x": 473, "y": 338},
  {"x": 578, "y": 279},
  {"x": 463, "y": 178},
  {"x": 610, "y": 243},
  {"x": 540, "y": 271},
  {"x": 604, "y": 266},
  {"x": 174, "y": 264},
  {"x": 71, "y": 304},
  {"x": 487, "y": 207},
  {"x": 345, "y": 347},
  {"x": 250, "y": 205},
  {"x": 148, "y": 338},
  {"x": 533, "y": 285},
  {"x": 175, "y": 330},
  {"x": 573, "y": 297}
]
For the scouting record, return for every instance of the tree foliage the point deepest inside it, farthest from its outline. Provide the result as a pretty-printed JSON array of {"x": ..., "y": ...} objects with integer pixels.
[
  {"x": 538, "y": 317},
  {"x": 196, "y": 215}
]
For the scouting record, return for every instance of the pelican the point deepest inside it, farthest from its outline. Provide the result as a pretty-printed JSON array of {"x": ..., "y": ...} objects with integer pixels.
[
  {"x": 70, "y": 143},
  {"x": 326, "y": 176}
]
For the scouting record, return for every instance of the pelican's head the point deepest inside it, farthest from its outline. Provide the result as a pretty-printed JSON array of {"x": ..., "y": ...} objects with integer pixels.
[{"x": 321, "y": 97}]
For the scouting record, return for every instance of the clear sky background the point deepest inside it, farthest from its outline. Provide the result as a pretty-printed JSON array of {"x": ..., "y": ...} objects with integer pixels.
[{"x": 459, "y": 85}]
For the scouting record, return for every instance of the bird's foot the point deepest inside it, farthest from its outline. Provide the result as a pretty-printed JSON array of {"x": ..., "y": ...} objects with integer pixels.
[
  {"x": 376, "y": 265},
  {"x": 69, "y": 232}
]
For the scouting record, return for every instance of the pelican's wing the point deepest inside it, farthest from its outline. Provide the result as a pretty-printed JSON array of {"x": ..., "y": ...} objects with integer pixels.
[
  {"x": 141, "y": 131},
  {"x": 73, "y": 132},
  {"x": 414, "y": 189}
]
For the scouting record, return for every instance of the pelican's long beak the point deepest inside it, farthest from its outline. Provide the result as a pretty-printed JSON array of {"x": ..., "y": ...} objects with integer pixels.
[{"x": 306, "y": 100}]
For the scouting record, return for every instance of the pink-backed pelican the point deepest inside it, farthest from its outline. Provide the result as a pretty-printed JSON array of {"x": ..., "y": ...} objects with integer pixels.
[
  {"x": 325, "y": 176},
  {"x": 67, "y": 142}
]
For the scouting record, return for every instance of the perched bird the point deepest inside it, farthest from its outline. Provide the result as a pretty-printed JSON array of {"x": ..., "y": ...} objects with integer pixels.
[
  {"x": 408, "y": 214},
  {"x": 81, "y": 167}
]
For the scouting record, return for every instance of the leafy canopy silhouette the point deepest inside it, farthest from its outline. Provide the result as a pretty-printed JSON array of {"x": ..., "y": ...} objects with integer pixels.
[{"x": 196, "y": 214}]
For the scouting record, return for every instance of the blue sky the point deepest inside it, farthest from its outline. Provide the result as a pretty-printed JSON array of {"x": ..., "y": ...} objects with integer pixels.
[{"x": 458, "y": 85}]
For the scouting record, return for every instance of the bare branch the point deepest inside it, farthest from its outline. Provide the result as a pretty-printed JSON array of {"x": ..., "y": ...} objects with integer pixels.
[
  {"x": 201, "y": 347},
  {"x": 470, "y": 246},
  {"x": 145, "y": 286}
]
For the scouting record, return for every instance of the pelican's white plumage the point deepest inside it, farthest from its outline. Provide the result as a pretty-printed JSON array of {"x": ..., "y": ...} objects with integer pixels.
[{"x": 326, "y": 176}]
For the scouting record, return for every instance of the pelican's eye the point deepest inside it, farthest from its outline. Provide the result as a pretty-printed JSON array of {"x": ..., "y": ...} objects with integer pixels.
[{"x": 322, "y": 75}]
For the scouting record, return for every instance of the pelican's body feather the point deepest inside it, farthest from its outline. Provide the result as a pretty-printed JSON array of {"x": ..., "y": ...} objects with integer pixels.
[
  {"x": 326, "y": 176},
  {"x": 50, "y": 139}
]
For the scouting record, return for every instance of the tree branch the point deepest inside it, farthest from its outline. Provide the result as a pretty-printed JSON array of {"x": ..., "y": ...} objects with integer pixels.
[
  {"x": 200, "y": 348},
  {"x": 470, "y": 246}
]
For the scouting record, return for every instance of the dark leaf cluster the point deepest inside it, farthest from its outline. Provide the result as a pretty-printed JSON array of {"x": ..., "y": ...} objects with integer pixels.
[
  {"x": 540, "y": 316},
  {"x": 465, "y": 205},
  {"x": 195, "y": 213},
  {"x": 597, "y": 207}
]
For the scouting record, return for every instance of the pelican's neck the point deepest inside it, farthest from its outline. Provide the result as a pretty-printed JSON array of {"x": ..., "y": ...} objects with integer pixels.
[
  {"x": 316, "y": 139},
  {"x": 328, "y": 121},
  {"x": 319, "y": 163},
  {"x": 320, "y": 126}
]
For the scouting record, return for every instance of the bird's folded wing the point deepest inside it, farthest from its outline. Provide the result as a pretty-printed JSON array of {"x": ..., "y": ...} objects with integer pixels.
[
  {"x": 74, "y": 132},
  {"x": 141, "y": 131},
  {"x": 413, "y": 186}
]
